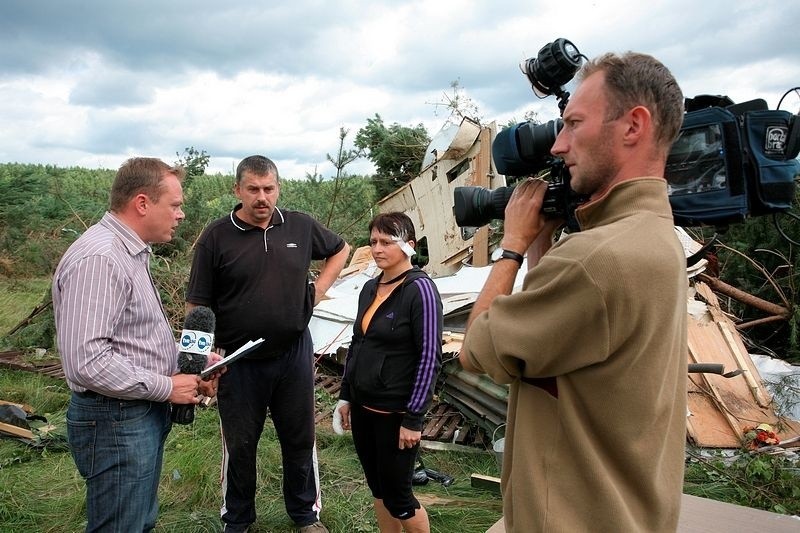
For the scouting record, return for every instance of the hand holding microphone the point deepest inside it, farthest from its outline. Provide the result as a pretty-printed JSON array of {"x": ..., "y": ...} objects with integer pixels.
[{"x": 196, "y": 341}]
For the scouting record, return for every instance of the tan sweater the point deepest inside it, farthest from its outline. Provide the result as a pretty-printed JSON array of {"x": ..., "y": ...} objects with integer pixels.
[{"x": 604, "y": 315}]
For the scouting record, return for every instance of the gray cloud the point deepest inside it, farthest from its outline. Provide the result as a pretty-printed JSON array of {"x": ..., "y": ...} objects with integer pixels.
[
  {"x": 245, "y": 76},
  {"x": 111, "y": 91}
]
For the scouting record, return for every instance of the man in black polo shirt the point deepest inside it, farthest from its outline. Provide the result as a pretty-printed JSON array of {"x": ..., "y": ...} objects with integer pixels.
[{"x": 251, "y": 268}]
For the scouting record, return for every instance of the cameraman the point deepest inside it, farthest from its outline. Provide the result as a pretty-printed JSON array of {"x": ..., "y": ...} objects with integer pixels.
[{"x": 594, "y": 346}]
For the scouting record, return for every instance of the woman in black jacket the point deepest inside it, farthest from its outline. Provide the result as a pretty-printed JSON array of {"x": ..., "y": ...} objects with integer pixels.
[{"x": 390, "y": 372}]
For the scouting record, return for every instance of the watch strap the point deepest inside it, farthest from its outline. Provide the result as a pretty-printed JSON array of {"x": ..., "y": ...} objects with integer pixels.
[{"x": 510, "y": 254}]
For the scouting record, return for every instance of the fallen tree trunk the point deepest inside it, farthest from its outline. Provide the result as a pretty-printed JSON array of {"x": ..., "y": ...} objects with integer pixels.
[{"x": 717, "y": 285}]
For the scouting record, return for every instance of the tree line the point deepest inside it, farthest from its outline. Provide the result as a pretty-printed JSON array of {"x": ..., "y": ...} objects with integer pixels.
[{"x": 43, "y": 208}]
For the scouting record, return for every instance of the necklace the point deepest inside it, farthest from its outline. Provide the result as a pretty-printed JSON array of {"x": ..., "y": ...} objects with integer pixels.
[{"x": 395, "y": 279}]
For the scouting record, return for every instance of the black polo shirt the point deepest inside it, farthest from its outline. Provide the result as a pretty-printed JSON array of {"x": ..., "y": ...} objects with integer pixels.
[{"x": 256, "y": 280}]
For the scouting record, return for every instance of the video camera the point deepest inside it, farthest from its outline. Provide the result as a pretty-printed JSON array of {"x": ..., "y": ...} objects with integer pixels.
[
  {"x": 730, "y": 161},
  {"x": 524, "y": 149}
]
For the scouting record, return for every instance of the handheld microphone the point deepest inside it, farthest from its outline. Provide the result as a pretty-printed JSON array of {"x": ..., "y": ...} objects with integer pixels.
[{"x": 196, "y": 341}]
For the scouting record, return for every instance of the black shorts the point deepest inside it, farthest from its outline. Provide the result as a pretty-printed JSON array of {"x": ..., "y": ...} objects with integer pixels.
[{"x": 388, "y": 469}]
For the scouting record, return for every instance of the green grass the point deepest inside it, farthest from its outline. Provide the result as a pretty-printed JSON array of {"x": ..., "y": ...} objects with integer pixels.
[
  {"x": 40, "y": 489},
  {"x": 18, "y": 297}
]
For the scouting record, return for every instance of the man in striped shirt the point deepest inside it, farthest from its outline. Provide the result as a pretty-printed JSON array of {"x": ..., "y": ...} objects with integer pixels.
[{"x": 118, "y": 350}]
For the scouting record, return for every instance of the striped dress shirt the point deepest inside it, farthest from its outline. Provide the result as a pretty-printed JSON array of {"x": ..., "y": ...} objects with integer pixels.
[{"x": 112, "y": 332}]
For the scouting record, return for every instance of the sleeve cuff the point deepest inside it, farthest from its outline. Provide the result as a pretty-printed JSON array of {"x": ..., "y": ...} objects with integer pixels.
[{"x": 413, "y": 421}]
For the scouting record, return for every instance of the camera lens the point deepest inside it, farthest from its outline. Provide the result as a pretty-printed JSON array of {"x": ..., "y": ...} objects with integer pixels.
[
  {"x": 477, "y": 206},
  {"x": 524, "y": 149},
  {"x": 536, "y": 140}
]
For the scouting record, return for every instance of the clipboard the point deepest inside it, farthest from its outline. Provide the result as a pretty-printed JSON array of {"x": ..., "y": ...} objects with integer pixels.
[{"x": 246, "y": 348}]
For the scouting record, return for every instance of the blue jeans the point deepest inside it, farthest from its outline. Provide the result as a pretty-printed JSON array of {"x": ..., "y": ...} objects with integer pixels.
[{"x": 118, "y": 446}]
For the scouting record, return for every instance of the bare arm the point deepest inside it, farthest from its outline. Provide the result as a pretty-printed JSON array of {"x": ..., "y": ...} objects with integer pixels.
[{"x": 331, "y": 268}]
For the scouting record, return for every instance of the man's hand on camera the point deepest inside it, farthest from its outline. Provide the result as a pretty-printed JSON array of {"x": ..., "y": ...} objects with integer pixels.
[{"x": 523, "y": 218}]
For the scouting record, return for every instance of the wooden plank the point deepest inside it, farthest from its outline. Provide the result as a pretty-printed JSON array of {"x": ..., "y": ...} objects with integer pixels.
[
  {"x": 703, "y": 515},
  {"x": 721, "y": 408},
  {"x": 25, "y": 407},
  {"x": 734, "y": 424},
  {"x": 452, "y": 427},
  {"x": 440, "y": 424},
  {"x": 330, "y": 384},
  {"x": 15, "y": 430},
  {"x": 730, "y": 344},
  {"x": 436, "y": 422},
  {"x": 479, "y": 481},
  {"x": 741, "y": 363},
  {"x": 466, "y": 428}
]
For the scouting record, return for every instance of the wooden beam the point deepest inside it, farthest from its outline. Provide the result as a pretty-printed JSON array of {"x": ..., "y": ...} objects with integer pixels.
[
  {"x": 480, "y": 178},
  {"x": 16, "y": 430},
  {"x": 741, "y": 362},
  {"x": 717, "y": 397},
  {"x": 25, "y": 407},
  {"x": 479, "y": 481}
]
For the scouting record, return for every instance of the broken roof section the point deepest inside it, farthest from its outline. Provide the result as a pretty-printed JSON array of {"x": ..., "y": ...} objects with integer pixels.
[
  {"x": 332, "y": 322},
  {"x": 720, "y": 408},
  {"x": 457, "y": 156}
]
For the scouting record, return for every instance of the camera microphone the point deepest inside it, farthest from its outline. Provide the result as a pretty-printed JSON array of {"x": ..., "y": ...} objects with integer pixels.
[{"x": 196, "y": 341}]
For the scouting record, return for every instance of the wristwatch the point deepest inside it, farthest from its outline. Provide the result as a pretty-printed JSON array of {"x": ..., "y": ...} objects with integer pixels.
[{"x": 501, "y": 253}]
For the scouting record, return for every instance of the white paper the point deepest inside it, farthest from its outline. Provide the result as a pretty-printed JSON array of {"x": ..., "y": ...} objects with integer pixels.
[{"x": 245, "y": 348}]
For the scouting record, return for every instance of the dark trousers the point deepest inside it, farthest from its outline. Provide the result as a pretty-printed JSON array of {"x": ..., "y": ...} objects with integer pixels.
[
  {"x": 388, "y": 469},
  {"x": 284, "y": 385}
]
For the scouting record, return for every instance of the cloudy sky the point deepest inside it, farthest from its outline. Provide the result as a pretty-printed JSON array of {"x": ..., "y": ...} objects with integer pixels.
[{"x": 91, "y": 82}]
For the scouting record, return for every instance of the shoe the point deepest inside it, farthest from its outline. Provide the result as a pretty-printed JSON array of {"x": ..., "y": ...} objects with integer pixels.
[{"x": 316, "y": 527}]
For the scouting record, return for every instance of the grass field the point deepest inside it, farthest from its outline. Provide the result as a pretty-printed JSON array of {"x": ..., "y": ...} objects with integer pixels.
[
  {"x": 18, "y": 298},
  {"x": 40, "y": 489}
]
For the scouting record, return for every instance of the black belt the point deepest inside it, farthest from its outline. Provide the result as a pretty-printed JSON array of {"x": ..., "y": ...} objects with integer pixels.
[
  {"x": 92, "y": 395},
  {"x": 87, "y": 394}
]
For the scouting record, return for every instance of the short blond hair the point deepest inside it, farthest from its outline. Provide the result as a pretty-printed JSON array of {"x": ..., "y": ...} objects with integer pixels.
[{"x": 634, "y": 79}]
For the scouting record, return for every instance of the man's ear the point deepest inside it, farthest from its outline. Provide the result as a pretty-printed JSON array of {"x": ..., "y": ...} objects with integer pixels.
[
  {"x": 637, "y": 123},
  {"x": 140, "y": 203}
]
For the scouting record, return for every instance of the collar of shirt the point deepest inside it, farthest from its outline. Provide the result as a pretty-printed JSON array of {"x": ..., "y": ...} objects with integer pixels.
[
  {"x": 277, "y": 218},
  {"x": 133, "y": 243}
]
